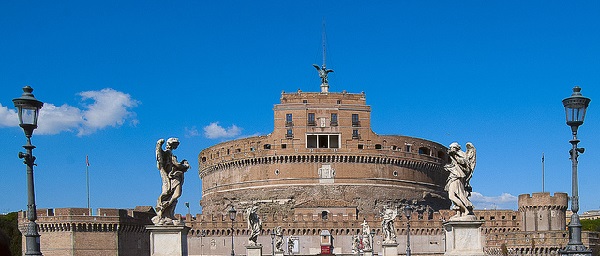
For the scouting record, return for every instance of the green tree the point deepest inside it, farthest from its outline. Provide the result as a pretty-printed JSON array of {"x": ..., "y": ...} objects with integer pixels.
[
  {"x": 590, "y": 225},
  {"x": 10, "y": 236}
]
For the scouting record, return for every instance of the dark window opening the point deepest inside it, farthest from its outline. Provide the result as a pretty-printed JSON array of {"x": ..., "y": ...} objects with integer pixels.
[
  {"x": 311, "y": 119},
  {"x": 311, "y": 141},
  {"x": 323, "y": 141},
  {"x": 267, "y": 146},
  {"x": 324, "y": 215},
  {"x": 334, "y": 119},
  {"x": 283, "y": 146},
  {"x": 334, "y": 141},
  {"x": 304, "y": 101},
  {"x": 289, "y": 134},
  {"x": 408, "y": 148},
  {"x": 441, "y": 154},
  {"x": 360, "y": 146},
  {"x": 355, "y": 134},
  {"x": 424, "y": 151},
  {"x": 377, "y": 146},
  {"x": 355, "y": 120},
  {"x": 339, "y": 101},
  {"x": 288, "y": 120}
]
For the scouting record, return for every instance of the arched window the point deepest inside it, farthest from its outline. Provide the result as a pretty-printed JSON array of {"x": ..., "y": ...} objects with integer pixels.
[{"x": 324, "y": 215}]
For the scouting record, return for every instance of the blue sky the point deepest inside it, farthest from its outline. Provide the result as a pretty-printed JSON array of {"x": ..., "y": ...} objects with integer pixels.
[{"x": 116, "y": 76}]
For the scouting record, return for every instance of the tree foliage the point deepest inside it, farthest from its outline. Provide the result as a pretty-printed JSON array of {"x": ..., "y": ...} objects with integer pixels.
[
  {"x": 10, "y": 236},
  {"x": 590, "y": 225}
]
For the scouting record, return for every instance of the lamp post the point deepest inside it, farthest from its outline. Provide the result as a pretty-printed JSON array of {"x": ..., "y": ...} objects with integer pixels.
[
  {"x": 232, "y": 213},
  {"x": 273, "y": 242},
  {"x": 575, "y": 108},
  {"x": 372, "y": 233},
  {"x": 29, "y": 107},
  {"x": 407, "y": 213}
]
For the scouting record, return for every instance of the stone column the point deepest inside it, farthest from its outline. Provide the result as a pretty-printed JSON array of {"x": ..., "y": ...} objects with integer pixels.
[
  {"x": 168, "y": 240},
  {"x": 390, "y": 249},
  {"x": 463, "y": 238},
  {"x": 254, "y": 250}
]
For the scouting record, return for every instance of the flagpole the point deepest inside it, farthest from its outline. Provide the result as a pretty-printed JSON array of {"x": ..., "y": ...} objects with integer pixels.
[
  {"x": 543, "y": 189},
  {"x": 87, "y": 178}
]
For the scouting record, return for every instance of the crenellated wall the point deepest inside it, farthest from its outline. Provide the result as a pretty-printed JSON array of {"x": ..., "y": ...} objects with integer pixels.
[{"x": 543, "y": 212}]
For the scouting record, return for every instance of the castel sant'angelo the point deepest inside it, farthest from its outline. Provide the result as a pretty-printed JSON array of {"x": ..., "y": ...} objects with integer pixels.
[{"x": 322, "y": 170}]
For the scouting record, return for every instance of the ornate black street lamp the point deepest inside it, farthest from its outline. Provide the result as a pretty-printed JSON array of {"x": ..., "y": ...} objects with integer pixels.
[
  {"x": 232, "y": 213},
  {"x": 407, "y": 213},
  {"x": 575, "y": 108},
  {"x": 29, "y": 107},
  {"x": 273, "y": 242}
]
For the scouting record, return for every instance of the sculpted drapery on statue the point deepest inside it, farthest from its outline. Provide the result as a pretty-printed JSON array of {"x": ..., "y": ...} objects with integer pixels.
[
  {"x": 279, "y": 239},
  {"x": 459, "y": 189},
  {"x": 171, "y": 172},
  {"x": 254, "y": 225},
  {"x": 387, "y": 224}
]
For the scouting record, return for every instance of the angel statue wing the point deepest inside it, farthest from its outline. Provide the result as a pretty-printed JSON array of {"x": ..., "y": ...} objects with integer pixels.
[{"x": 471, "y": 156}]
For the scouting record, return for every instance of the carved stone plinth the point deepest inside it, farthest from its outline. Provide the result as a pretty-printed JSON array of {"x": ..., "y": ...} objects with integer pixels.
[
  {"x": 254, "y": 250},
  {"x": 463, "y": 238},
  {"x": 168, "y": 240},
  {"x": 368, "y": 252},
  {"x": 278, "y": 253},
  {"x": 390, "y": 249}
]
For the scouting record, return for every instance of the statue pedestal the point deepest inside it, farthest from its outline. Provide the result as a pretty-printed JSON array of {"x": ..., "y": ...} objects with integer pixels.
[
  {"x": 278, "y": 253},
  {"x": 168, "y": 240},
  {"x": 463, "y": 237},
  {"x": 367, "y": 253},
  {"x": 390, "y": 249},
  {"x": 254, "y": 250}
]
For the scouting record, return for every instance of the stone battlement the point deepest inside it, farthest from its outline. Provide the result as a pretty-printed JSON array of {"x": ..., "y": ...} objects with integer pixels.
[{"x": 543, "y": 199}]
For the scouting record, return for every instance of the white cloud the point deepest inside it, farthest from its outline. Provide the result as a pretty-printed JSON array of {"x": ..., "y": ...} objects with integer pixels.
[
  {"x": 108, "y": 108},
  {"x": 191, "y": 132},
  {"x": 214, "y": 131},
  {"x": 504, "y": 201},
  {"x": 8, "y": 117}
]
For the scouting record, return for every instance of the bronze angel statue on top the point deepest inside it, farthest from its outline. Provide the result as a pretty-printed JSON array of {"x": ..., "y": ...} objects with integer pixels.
[
  {"x": 461, "y": 167},
  {"x": 323, "y": 71}
]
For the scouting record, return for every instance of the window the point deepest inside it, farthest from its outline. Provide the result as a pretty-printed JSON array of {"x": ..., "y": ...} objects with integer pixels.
[
  {"x": 361, "y": 146},
  {"x": 288, "y": 120},
  {"x": 355, "y": 120},
  {"x": 424, "y": 151},
  {"x": 283, "y": 146},
  {"x": 408, "y": 146},
  {"x": 355, "y": 134},
  {"x": 304, "y": 101},
  {"x": 339, "y": 102},
  {"x": 334, "y": 121},
  {"x": 289, "y": 134},
  {"x": 377, "y": 146},
  {"x": 311, "y": 119},
  {"x": 322, "y": 141},
  {"x": 267, "y": 146},
  {"x": 324, "y": 215}
]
